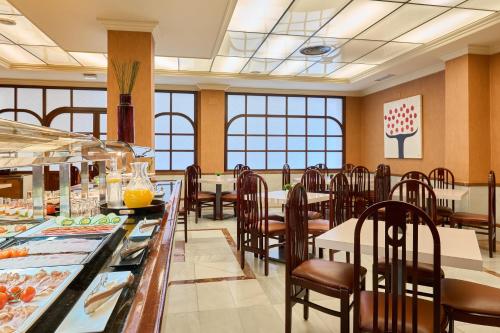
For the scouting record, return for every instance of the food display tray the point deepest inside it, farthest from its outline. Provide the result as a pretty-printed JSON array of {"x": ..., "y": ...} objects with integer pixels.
[
  {"x": 156, "y": 207},
  {"x": 43, "y": 303}
]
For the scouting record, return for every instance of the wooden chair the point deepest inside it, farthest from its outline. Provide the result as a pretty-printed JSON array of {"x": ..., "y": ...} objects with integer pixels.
[
  {"x": 323, "y": 168},
  {"x": 183, "y": 216},
  {"x": 443, "y": 178},
  {"x": 334, "y": 279},
  {"x": 229, "y": 199},
  {"x": 361, "y": 193},
  {"x": 382, "y": 311},
  {"x": 484, "y": 223},
  {"x": 255, "y": 226},
  {"x": 93, "y": 171},
  {"x": 381, "y": 189},
  {"x": 239, "y": 184},
  {"x": 416, "y": 175},
  {"x": 285, "y": 175},
  {"x": 470, "y": 302},
  {"x": 51, "y": 178},
  {"x": 198, "y": 171},
  {"x": 347, "y": 168},
  {"x": 195, "y": 200},
  {"x": 314, "y": 181},
  {"x": 339, "y": 212}
]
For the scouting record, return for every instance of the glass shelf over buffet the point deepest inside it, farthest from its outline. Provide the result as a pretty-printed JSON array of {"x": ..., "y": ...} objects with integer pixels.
[{"x": 24, "y": 145}]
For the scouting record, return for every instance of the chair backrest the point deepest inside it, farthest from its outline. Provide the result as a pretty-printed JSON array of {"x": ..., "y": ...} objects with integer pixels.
[
  {"x": 252, "y": 204},
  {"x": 417, "y": 193},
  {"x": 387, "y": 177},
  {"x": 238, "y": 169},
  {"x": 492, "y": 201},
  {"x": 191, "y": 187},
  {"x": 322, "y": 167},
  {"x": 416, "y": 175},
  {"x": 443, "y": 178},
  {"x": 380, "y": 184},
  {"x": 296, "y": 228},
  {"x": 360, "y": 181},
  {"x": 93, "y": 171},
  {"x": 314, "y": 181},
  {"x": 395, "y": 233},
  {"x": 347, "y": 168},
  {"x": 285, "y": 175},
  {"x": 340, "y": 200}
]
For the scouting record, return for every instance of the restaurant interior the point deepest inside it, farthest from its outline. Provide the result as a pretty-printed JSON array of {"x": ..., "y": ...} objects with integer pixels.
[{"x": 249, "y": 166}]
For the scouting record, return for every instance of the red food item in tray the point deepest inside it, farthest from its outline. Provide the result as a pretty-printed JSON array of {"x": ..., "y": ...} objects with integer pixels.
[{"x": 93, "y": 229}]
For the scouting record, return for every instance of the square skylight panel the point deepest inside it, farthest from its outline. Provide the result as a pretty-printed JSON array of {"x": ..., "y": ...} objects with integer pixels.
[
  {"x": 228, "y": 64},
  {"x": 482, "y": 4},
  {"x": 16, "y": 55},
  {"x": 448, "y": 22},
  {"x": 261, "y": 66},
  {"x": 317, "y": 41},
  {"x": 167, "y": 63},
  {"x": 356, "y": 17},
  {"x": 353, "y": 50},
  {"x": 305, "y": 17},
  {"x": 7, "y": 8},
  {"x": 320, "y": 69},
  {"x": 279, "y": 46},
  {"x": 24, "y": 32},
  {"x": 438, "y": 2},
  {"x": 386, "y": 52},
  {"x": 401, "y": 21},
  {"x": 90, "y": 59},
  {"x": 257, "y": 15},
  {"x": 4, "y": 40},
  {"x": 292, "y": 67},
  {"x": 350, "y": 71},
  {"x": 240, "y": 44},
  {"x": 52, "y": 55},
  {"x": 194, "y": 64}
]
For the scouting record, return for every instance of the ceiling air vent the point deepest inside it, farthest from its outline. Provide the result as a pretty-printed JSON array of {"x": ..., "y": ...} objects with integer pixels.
[
  {"x": 315, "y": 50},
  {"x": 385, "y": 77},
  {"x": 89, "y": 76}
]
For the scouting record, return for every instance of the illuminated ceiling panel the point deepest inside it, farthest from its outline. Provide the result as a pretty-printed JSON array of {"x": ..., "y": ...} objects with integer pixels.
[
  {"x": 257, "y": 15},
  {"x": 261, "y": 66},
  {"x": 240, "y": 44},
  {"x": 387, "y": 52},
  {"x": 7, "y": 8},
  {"x": 351, "y": 70},
  {"x": 279, "y": 46},
  {"x": 17, "y": 55},
  {"x": 167, "y": 63},
  {"x": 292, "y": 67},
  {"x": 90, "y": 59},
  {"x": 320, "y": 69},
  {"x": 482, "y": 4},
  {"x": 195, "y": 65},
  {"x": 353, "y": 50},
  {"x": 437, "y": 2},
  {"x": 305, "y": 17},
  {"x": 52, "y": 55},
  {"x": 24, "y": 32},
  {"x": 228, "y": 64}
]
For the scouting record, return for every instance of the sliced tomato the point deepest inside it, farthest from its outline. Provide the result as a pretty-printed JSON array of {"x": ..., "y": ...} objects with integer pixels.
[
  {"x": 3, "y": 300},
  {"x": 28, "y": 294}
]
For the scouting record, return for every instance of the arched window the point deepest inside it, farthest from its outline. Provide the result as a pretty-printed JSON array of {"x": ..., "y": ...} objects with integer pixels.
[
  {"x": 266, "y": 131},
  {"x": 175, "y": 141}
]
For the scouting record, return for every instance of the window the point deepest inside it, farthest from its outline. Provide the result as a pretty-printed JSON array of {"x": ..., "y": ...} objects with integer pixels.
[
  {"x": 78, "y": 110},
  {"x": 266, "y": 131},
  {"x": 175, "y": 140}
]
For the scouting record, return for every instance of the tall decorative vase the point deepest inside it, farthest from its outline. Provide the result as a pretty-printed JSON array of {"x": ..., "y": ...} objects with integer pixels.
[{"x": 126, "y": 119}]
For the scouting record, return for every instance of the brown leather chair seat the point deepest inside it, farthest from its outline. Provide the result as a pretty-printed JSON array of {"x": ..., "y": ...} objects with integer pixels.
[
  {"x": 470, "y": 297},
  {"x": 312, "y": 215},
  {"x": 276, "y": 218},
  {"x": 274, "y": 227},
  {"x": 425, "y": 272},
  {"x": 231, "y": 196},
  {"x": 424, "y": 309},
  {"x": 329, "y": 273},
  {"x": 206, "y": 196},
  {"x": 469, "y": 218},
  {"x": 318, "y": 226},
  {"x": 444, "y": 211}
]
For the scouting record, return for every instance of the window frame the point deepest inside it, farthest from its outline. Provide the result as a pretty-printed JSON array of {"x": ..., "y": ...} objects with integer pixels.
[
  {"x": 285, "y": 116},
  {"x": 193, "y": 122}
]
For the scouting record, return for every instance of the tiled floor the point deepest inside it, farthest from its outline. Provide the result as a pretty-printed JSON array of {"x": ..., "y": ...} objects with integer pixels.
[{"x": 209, "y": 292}]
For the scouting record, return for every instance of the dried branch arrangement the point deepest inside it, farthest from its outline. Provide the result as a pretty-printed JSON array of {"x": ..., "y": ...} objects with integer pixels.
[{"x": 125, "y": 74}]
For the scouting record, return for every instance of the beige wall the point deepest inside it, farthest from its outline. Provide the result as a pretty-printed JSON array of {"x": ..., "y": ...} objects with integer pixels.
[
  {"x": 495, "y": 112},
  {"x": 353, "y": 130},
  {"x": 371, "y": 128},
  {"x": 126, "y": 46}
]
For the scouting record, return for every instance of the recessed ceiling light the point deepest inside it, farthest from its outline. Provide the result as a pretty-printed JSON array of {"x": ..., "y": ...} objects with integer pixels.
[
  {"x": 315, "y": 50},
  {"x": 6, "y": 21},
  {"x": 89, "y": 76}
]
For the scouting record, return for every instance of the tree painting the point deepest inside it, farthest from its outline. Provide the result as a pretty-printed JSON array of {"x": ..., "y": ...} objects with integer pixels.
[{"x": 402, "y": 128}]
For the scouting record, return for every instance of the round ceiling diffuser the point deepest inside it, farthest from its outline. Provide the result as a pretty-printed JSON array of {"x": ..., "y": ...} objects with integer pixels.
[{"x": 315, "y": 50}]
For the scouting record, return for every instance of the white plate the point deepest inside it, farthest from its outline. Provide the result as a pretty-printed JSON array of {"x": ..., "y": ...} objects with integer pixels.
[
  {"x": 77, "y": 321},
  {"x": 37, "y": 231},
  {"x": 139, "y": 234},
  {"x": 44, "y": 303}
]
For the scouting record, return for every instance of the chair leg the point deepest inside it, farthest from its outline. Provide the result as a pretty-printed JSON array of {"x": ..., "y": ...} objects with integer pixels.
[
  {"x": 242, "y": 250},
  {"x": 185, "y": 229},
  {"x": 332, "y": 258},
  {"x": 348, "y": 257},
  {"x": 306, "y": 305},
  {"x": 288, "y": 307},
  {"x": 344, "y": 311},
  {"x": 215, "y": 211},
  {"x": 238, "y": 245},
  {"x": 320, "y": 253},
  {"x": 266, "y": 259},
  {"x": 451, "y": 324},
  {"x": 196, "y": 210}
]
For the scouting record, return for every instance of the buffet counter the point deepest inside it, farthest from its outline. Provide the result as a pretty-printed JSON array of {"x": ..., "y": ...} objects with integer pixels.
[{"x": 139, "y": 307}]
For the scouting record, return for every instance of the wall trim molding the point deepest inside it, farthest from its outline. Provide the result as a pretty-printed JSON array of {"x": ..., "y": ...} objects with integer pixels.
[
  {"x": 128, "y": 25},
  {"x": 212, "y": 86}
]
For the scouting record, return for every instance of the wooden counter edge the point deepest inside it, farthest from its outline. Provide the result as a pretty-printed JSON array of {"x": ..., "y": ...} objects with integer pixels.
[{"x": 147, "y": 308}]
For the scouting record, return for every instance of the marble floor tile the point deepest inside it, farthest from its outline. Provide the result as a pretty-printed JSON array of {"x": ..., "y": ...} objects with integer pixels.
[
  {"x": 248, "y": 293},
  {"x": 182, "y": 298},
  {"x": 220, "y": 321},
  {"x": 214, "y": 296},
  {"x": 187, "y": 322},
  {"x": 260, "y": 319},
  {"x": 182, "y": 271},
  {"x": 206, "y": 270}
]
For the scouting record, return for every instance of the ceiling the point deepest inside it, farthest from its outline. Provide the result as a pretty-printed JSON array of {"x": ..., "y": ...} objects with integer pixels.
[{"x": 253, "y": 43}]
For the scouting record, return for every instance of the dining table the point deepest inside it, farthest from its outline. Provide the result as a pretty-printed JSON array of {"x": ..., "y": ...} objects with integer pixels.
[{"x": 218, "y": 181}]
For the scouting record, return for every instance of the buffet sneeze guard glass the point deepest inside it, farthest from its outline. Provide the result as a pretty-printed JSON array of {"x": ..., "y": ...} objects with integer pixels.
[{"x": 24, "y": 145}]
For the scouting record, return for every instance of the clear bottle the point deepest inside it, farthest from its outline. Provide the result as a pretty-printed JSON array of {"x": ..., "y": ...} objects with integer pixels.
[
  {"x": 114, "y": 186},
  {"x": 139, "y": 191}
]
